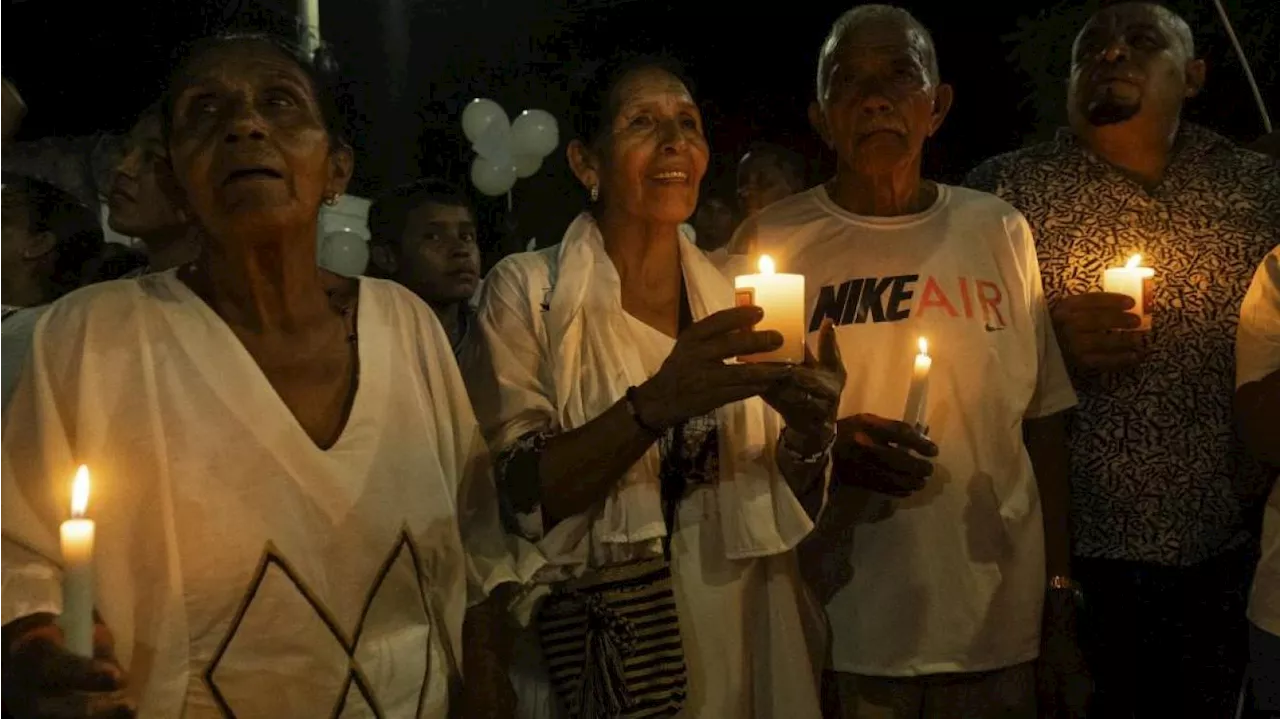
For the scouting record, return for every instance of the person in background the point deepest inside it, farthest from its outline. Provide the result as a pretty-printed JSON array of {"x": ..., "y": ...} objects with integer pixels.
[
  {"x": 943, "y": 557},
  {"x": 139, "y": 207},
  {"x": 1257, "y": 407},
  {"x": 768, "y": 173},
  {"x": 294, "y": 512},
  {"x": 424, "y": 236},
  {"x": 1165, "y": 502},
  {"x": 622, "y": 436},
  {"x": 49, "y": 247},
  {"x": 81, "y": 166},
  {"x": 714, "y": 223}
]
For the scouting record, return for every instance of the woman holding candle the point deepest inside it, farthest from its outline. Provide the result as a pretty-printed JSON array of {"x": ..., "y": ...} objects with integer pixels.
[
  {"x": 624, "y": 436},
  {"x": 291, "y": 505}
]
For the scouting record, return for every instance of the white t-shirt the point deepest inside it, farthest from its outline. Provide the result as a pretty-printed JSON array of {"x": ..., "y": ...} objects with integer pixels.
[
  {"x": 1258, "y": 355},
  {"x": 951, "y": 579},
  {"x": 242, "y": 569}
]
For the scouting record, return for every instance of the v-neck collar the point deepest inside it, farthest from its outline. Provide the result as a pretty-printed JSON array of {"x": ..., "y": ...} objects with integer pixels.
[{"x": 222, "y": 356}]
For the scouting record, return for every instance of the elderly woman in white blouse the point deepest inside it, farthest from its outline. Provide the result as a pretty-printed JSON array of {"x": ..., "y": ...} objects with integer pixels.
[{"x": 657, "y": 478}]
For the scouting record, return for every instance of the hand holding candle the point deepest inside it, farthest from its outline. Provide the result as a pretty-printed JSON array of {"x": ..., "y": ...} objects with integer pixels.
[
  {"x": 782, "y": 299},
  {"x": 918, "y": 391},
  {"x": 77, "y": 571},
  {"x": 1134, "y": 281}
]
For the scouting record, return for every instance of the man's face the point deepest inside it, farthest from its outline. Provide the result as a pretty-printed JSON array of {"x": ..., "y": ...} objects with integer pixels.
[
  {"x": 762, "y": 182},
  {"x": 440, "y": 255},
  {"x": 881, "y": 103},
  {"x": 1128, "y": 60}
]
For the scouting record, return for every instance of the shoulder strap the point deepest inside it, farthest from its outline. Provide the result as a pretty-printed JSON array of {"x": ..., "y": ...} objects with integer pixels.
[{"x": 672, "y": 472}]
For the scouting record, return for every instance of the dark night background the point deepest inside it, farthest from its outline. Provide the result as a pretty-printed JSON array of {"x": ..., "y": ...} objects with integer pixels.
[{"x": 411, "y": 65}]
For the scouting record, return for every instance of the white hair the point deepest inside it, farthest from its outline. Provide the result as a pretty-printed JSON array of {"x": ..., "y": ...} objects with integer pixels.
[{"x": 862, "y": 14}]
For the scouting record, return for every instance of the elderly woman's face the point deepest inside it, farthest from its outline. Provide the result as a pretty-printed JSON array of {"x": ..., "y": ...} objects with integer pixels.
[
  {"x": 655, "y": 155},
  {"x": 138, "y": 205},
  {"x": 248, "y": 142}
]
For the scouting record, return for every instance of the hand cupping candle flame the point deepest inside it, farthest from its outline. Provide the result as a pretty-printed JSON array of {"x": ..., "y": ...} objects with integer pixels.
[{"x": 506, "y": 150}]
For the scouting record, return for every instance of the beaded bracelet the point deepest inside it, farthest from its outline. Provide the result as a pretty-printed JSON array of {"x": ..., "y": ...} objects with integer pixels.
[{"x": 798, "y": 458}]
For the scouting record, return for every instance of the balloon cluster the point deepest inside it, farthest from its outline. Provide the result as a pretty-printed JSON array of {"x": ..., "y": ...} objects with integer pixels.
[{"x": 506, "y": 150}]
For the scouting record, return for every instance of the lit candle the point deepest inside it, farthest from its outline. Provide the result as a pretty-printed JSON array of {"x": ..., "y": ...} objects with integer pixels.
[
  {"x": 1135, "y": 281},
  {"x": 77, "y": 571},
  {"x": 918, "y": 392},
  {"x": 782, "y": 299}
]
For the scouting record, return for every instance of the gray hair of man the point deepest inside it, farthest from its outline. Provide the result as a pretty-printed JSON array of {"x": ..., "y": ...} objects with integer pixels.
[
  {"x": 865, "y": 14},
  {"x": 1178, "y": 27}
]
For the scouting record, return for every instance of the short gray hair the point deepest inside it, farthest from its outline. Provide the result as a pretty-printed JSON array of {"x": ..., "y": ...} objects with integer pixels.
[
  {"x": 856, "y": 17},
  {"x": 1181, "y": 30}
]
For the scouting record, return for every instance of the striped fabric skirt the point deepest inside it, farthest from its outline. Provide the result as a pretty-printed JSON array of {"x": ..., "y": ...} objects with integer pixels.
[{"x": 612, "y": 643}]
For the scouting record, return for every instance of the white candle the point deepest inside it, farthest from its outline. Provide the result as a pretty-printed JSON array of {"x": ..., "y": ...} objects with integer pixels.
[
  {"x": 918, "y": 392},
  {"x": 1135, "y": 281},
  {"x": 782, "y": 299},
  {"x": 77, "y": 571}
]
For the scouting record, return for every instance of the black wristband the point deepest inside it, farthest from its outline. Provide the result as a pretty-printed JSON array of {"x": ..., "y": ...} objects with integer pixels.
[{"x": 634, "y": 410}]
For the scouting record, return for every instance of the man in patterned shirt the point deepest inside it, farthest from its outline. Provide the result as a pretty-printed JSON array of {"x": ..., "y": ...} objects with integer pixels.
[{"x": 1165, "y": 504}]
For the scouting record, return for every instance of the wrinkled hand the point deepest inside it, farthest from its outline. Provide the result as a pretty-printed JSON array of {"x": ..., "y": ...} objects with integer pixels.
[
  {"x": 1091, "y": 330},
  {"x": 695, "y": 380},
  {"x": 42, "y": 679},
  {"x": 1064, "y": 684},
  {"x": 808, "y": 396},
  {"x": 872, "y": 453}
]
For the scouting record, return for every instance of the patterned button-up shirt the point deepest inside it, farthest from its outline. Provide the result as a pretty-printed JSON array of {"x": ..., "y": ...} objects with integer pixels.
[{"x": 1157, "y": 474}]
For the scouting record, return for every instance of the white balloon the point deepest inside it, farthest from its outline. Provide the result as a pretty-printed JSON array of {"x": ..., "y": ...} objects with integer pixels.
[
  {"x": 495, "y": 143},
  {"x": 527, "y": 165},
  {"x": 491, "y": 177},
  {"x": 344, "y": 252},
  {"x": 479, "y": 115},
  {"x": 535, "y": 132}
]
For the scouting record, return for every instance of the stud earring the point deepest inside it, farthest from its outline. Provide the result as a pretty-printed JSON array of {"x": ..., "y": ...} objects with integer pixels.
[{"x": 595, "y": 193}]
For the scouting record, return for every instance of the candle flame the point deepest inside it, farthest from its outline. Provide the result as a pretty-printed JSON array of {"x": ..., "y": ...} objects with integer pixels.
[
  {"x": 766, "y": 265},
  {"x": 1133, "y": 262},
  {"x": 80, "y": 492},
  {"x": 924, "y": 346}
]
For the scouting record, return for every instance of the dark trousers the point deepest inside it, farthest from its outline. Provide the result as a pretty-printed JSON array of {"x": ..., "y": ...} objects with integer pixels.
[{"x": 1166, "y": 641}]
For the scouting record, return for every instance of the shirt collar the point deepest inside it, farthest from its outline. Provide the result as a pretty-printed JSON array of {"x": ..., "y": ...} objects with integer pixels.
[{"x": 1192, "y": 143}]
